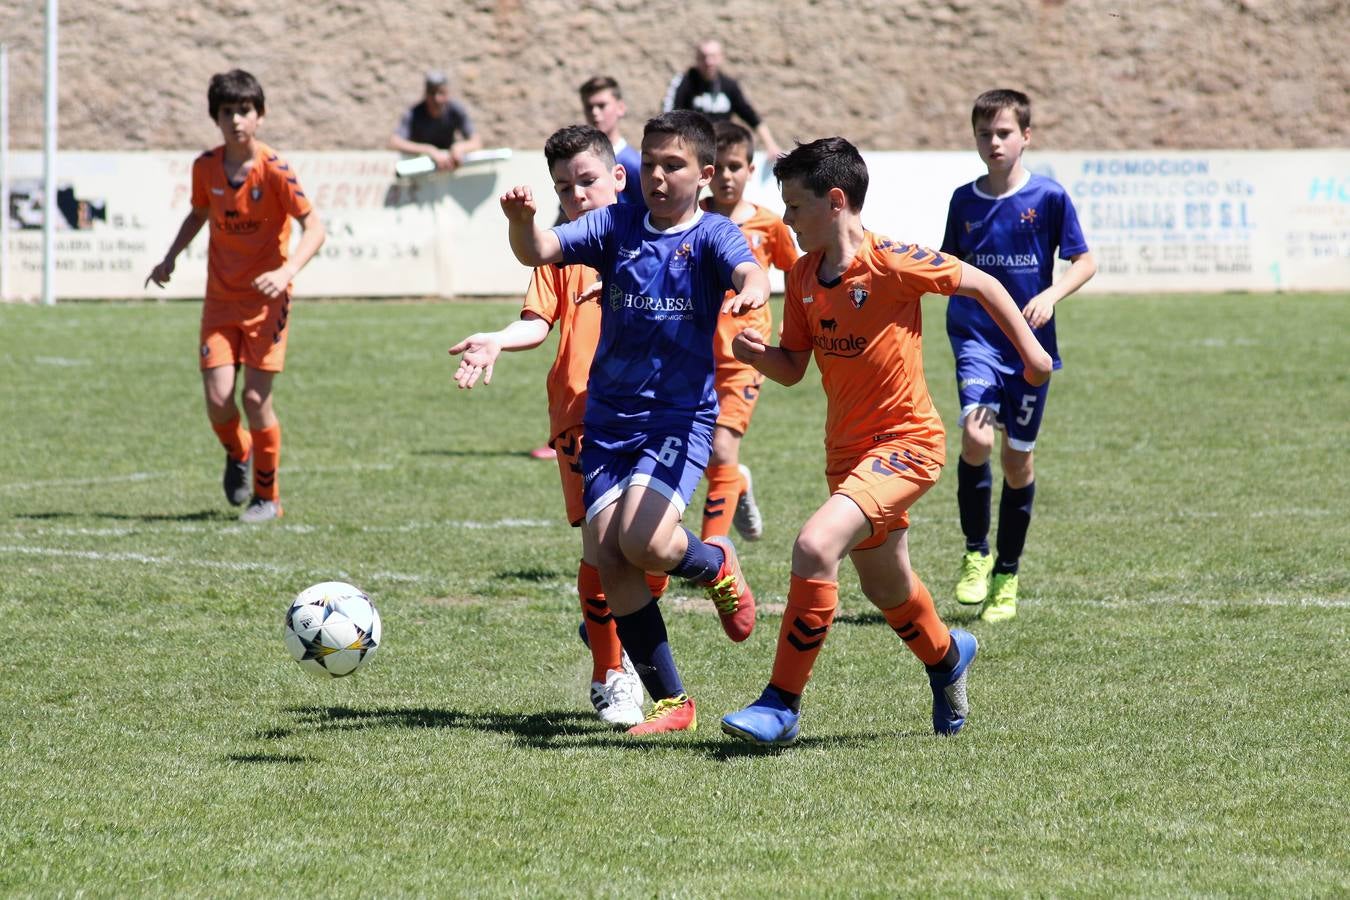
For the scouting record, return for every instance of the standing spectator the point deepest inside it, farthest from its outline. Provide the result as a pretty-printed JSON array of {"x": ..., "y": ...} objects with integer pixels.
[
  {"x": 438, "y": 126},
  {"x": 704, "y": 88}
]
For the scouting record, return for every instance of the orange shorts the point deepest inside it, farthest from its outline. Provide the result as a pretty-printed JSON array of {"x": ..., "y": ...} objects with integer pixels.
[
  {"x": 568, "y": 445},
  {"x": 885, "y": 482},
  {"x": 252, "y": 333},
  {"x": 737, "y": 386}
]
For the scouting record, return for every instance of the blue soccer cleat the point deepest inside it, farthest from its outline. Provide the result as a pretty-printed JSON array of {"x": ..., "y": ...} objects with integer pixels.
[
  {"x": 949, "y": 688},
  {"x": 768, "y": 721}
]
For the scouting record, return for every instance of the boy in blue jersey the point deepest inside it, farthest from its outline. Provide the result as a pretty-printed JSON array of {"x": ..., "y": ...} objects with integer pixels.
[
  {"x": 602, "y": 103},
  {"x": 651, "y": 404},
  {"x": 1008, "y": 223}
]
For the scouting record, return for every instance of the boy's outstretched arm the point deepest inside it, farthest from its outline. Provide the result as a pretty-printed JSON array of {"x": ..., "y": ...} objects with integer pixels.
[
  {"x": 784, "y": 366},
  {"x": 532, "y": 245},
  {"x": 192, "y": 223},
  {"x": 482, "y": 349},
  {"x": 1001, "y": 307},
  {"x": 273, "y": 284},
  {"x": 752, "y": 289},
  {"x": 1040, "y": 308}
]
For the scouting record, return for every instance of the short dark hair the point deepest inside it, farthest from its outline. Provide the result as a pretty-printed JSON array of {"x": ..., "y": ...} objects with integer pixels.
[
  {"x": 732, "y": 134},
  {"x": 830, "y": 162},
  {"x": 691, "y": 127},
  {"x": 234, "y": 86},
  {"x": 573, "y": 140},
  {"x": 597, "y": 83},
  {"x": 991, "y": 103}
]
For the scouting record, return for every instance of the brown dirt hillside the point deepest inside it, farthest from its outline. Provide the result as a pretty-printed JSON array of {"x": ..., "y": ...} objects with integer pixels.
[{"x": 1105, "y": 74}]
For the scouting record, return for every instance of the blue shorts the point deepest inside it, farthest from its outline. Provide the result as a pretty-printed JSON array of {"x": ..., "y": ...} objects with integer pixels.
[
  {"x": 1017, "y": 406},
  {"x": 670, "y": 464}
]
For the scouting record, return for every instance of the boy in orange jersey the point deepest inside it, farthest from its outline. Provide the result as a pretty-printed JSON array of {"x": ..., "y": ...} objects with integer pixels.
[
  {"x": 737, "y": 383},
  {"x": 249, "y": 194},
  {"x": 585, "y": 176},
  {"x": 853, "y": 303}
]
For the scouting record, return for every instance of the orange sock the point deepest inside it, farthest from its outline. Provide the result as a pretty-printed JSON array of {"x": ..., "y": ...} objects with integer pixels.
[
  {"x": 810, "y": 610},
  {"x": 916, "y": 621},
  {"x": 267, "y": 447},
  {"x": 601, "y": 632},
  {"x": 233, "y": 438},
  {"x": 657, "y": 584},
  {"x": 724, "y": 488}
]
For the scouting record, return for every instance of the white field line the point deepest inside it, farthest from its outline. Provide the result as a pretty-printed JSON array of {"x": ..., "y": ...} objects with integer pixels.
[
  {"x": 146, "y": 559},
  {"x": 675, "y": 600},
  {"x": 150, "y": 476},
  {"x": 27, "y": 530}
]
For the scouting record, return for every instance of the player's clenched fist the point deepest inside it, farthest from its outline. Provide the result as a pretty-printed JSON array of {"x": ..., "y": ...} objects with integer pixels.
[
  {"x": 518, "y": 204},
  {"x": 748, "y": 346}
]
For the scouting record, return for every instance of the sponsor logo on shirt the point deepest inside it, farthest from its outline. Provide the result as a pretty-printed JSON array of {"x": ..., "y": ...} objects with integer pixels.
[
  {"x": 847, "y": 346},
  {"x": 627, "y": 253},
  {"x": 972, "y": 226},
  {"x": 1006, "y": 261},
  {"x": 666, "y": 308}
]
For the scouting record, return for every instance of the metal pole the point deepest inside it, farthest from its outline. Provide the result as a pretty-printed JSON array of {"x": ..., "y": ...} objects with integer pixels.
[
  {"x": 4, "y": 171},
  {"x": 49, "y": 210}
]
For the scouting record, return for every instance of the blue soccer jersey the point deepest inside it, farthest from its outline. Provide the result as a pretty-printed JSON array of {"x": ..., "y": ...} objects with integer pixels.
[
  {"x": 630, "y": 158},
  {"x": 663, "y": 290},
  {"x": 1013, "y": 238}
]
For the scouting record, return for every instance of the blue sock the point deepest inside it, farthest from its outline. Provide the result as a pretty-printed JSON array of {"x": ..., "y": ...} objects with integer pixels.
[
  {"x": 643, "y": 634},
  {"x": 701, "y": 561},
  {"x": 1014, "y": 518},
  {"x": 974, "y": 493}
]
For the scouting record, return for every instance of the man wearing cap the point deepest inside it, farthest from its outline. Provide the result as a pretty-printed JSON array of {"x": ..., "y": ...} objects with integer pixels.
[{"x": 438, "y": 126}]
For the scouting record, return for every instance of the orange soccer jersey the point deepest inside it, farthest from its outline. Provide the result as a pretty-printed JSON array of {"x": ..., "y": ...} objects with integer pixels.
[
  {"x": 771, "y": 243},
  {"x": 552, "y": 296},
  {"x": 865, "y": 331},
  {"x": 250, "y": 223}
]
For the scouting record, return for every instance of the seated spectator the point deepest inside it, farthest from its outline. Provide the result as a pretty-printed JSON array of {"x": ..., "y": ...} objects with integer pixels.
[{"x": 438, "y": 126}]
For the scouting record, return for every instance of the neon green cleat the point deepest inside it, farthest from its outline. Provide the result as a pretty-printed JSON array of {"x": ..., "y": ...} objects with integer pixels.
[
  {"x": 973, "y": 584},
  {"x": 1002, "y": 604}
]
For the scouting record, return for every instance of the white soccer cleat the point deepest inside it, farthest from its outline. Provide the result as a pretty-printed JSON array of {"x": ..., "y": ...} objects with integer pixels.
[
  {"x": 748, "y": 522},
  {"x": 618, "y": 701}
]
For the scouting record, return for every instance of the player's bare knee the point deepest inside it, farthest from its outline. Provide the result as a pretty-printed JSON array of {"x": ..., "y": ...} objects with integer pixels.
[
  {"x": 814, "y": 554},
  {"x": 1018, "y": 467}
]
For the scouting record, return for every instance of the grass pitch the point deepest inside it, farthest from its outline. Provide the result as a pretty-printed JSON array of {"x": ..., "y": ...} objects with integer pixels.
[{"x": 1168, "y": 715}]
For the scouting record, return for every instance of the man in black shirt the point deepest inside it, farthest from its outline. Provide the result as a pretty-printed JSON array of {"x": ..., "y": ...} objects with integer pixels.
[
  {"x": 705, "y": 89},
  {"x": 438, "y": 127}
]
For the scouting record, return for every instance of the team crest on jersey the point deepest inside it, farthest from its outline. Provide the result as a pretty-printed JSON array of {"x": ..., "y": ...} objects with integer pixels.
[
  {"x": 1029, "y": 217},
  {"x": 683, "y": 254},
  {"x": 858, "y": 295}
]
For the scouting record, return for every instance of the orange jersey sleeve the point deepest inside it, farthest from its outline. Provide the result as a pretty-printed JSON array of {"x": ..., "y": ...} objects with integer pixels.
[
  {"x": 552, "y": 297},
  {"x": 250, "y": 223},
  {"x": 866, "y": 334}
]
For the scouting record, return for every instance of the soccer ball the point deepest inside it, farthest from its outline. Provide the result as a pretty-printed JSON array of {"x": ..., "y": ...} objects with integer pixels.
[{"x": 332, "y": 629}]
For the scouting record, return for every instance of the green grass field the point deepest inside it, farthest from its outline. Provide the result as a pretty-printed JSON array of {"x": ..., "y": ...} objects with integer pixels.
[{"x": 1167, "y": 716}]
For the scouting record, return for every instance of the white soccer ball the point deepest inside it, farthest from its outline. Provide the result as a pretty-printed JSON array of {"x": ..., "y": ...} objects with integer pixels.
[{"x": 332, "y": 629}]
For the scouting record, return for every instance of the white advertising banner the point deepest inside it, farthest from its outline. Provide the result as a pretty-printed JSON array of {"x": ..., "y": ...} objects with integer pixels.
[{"x": 1176, "y": 221}]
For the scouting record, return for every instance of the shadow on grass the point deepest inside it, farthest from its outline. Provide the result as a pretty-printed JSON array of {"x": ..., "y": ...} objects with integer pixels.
[
  {"x": 269, "y": 758},
  {"x": 964, "y": 615},
  {"x": 553, "y": 730},
  {"x": 545, "y": 730},
  {"x": 203, "y": 515}
]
